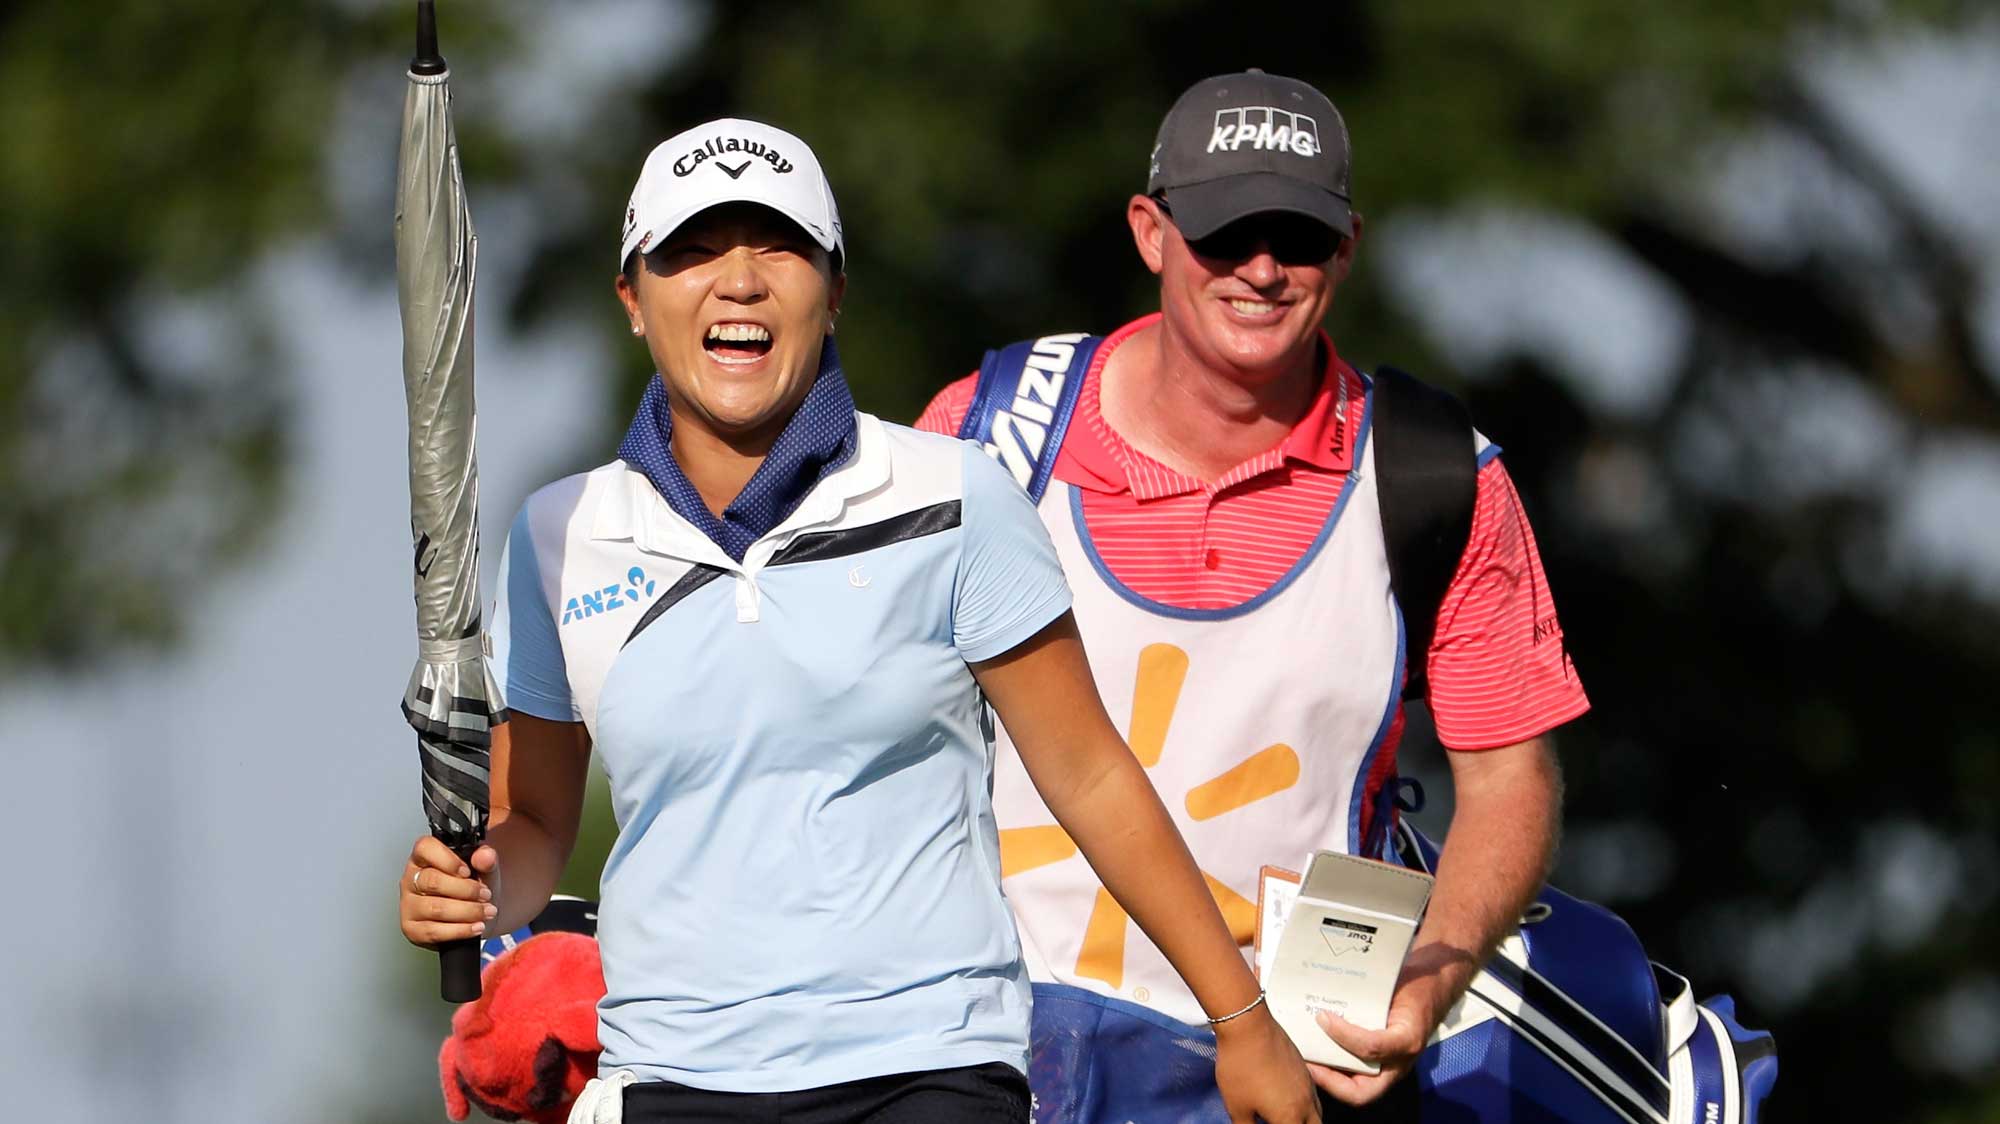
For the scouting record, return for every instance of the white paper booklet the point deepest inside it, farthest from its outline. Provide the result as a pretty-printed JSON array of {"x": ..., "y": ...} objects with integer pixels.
[{"x": 1336, "y": 943}]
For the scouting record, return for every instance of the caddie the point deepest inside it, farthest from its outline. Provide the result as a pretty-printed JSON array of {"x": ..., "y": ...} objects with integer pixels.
[{"x": 1210, "y": 476}]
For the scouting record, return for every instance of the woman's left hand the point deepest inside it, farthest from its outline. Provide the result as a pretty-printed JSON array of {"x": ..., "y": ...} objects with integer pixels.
[{"x": 1261, "y": 1074}]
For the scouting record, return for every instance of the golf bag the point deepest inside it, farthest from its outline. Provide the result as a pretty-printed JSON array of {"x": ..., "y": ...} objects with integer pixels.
[{"x": 1569, "y": 1023}]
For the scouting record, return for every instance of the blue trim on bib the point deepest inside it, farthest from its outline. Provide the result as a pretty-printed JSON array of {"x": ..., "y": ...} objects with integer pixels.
[
  {"x": 1097, "y": 1058},
  {"x": 1277, "y": 587},
  {"x": 1487, "y": 456},
  {"x": 1357, "y": 797},
  {"x": 1077, "y": 994}
]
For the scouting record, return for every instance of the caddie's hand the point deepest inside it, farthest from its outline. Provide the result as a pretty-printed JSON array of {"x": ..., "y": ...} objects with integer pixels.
[
  {"x": 1395, "y": 1047},
  {"x": 443, "y": 898},
  {"x": 1260, "y": 1073}
]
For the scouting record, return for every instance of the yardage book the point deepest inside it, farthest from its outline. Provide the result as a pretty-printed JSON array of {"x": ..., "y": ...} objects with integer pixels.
[{"x": 1335, "y": 941}]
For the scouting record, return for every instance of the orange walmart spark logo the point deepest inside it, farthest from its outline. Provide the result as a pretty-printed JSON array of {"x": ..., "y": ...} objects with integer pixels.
[{"x": 1162, "y": 671}]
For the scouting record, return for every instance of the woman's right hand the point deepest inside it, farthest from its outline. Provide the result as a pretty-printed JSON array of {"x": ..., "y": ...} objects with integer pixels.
[{"x": 444, "y": 899}]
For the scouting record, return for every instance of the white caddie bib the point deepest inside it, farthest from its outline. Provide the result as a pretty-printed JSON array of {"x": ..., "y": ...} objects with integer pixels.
[{"x": 1257, "y": 725}]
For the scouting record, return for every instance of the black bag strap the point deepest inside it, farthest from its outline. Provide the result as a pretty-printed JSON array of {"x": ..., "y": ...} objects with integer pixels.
[{"x": 1426, "y": 478}]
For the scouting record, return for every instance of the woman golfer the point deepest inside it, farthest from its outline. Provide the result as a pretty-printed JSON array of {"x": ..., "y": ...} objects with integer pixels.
[{"x": 777, "y": 620}]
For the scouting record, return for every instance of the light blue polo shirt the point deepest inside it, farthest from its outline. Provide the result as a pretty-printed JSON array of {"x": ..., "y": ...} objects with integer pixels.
[{"x": 805, "y": 887}]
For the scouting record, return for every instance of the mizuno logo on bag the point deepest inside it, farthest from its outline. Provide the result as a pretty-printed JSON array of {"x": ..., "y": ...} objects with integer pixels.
[
  {"x": 1020, "y": 430},
  {"x": 1266, "y": 128}
]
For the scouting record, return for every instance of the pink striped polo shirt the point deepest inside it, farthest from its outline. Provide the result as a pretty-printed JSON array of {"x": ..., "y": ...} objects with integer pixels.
[{"x": 1499, "y": 674}]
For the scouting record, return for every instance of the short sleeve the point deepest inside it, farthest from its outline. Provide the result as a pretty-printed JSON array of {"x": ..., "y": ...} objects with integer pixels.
[
  {"x": 1010, "y": 584},
  {"x": 527, "y": 656},
  {"x": 1499, "y": 673}
]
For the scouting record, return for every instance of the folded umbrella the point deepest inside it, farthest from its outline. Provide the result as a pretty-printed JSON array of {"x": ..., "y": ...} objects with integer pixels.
[{"x": 451, "y": 700}]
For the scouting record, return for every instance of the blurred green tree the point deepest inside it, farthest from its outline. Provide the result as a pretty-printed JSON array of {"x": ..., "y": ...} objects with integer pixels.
[{"x": 131, "y": 455}]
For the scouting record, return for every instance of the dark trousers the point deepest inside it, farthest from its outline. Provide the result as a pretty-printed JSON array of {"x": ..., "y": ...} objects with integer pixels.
[{"x": 980, "y": 1094}]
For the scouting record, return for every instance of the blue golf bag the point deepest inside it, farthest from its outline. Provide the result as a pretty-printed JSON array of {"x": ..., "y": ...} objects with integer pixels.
[{"x": 1569, "y": 1022}]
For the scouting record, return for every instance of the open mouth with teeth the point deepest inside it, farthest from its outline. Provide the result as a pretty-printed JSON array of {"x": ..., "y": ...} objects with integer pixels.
[
  {"x": 736, "y": 342},
  {"x": 1252, "y": 307}
]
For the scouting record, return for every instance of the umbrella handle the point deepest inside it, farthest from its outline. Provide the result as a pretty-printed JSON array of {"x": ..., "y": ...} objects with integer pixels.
[
  {"x": 458, "y": 961},
  {"x": 427, "y": 60},
  {"x": 458, "y": 970}
]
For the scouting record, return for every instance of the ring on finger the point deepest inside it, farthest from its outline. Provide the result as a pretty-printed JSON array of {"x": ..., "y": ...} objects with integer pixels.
[{"x": 415, "y": 887}]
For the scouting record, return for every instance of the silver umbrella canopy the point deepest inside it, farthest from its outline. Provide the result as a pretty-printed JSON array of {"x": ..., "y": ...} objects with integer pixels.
[{"x": 451, "y": 700}]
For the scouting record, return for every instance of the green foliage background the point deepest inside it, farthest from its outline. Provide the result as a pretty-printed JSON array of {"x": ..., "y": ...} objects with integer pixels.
[{"x": 1758, "y": 695}]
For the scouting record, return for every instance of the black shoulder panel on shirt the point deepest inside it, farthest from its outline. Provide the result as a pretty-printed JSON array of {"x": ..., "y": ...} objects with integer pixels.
[
  {"x": 859, "y": 540},
  {"x": 816, "y": 546},
  {"x": 694, "y": 579}
]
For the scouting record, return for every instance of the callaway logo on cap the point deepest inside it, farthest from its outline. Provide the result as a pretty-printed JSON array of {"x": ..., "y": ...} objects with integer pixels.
[
  {"x": 1240, "y": 144},
  {"x": 729, "y": 161}
]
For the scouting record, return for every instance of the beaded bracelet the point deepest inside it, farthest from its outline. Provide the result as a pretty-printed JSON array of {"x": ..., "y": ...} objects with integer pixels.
[{"x": 1254, "y": 1004}]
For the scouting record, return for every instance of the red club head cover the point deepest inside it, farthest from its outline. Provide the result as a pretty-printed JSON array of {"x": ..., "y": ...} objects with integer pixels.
[{"x": 525, "y": 1047}]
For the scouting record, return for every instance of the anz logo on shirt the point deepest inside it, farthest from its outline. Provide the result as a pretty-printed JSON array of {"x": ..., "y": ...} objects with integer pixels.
[{"x": 611, "y": 598}]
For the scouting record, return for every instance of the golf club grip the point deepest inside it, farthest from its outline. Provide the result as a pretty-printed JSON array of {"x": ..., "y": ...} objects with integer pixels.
[{"x": 458, "y": 970}]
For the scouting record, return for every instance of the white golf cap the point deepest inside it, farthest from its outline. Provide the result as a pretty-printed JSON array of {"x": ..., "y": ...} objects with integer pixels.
[{"x": 729, "y": 161}]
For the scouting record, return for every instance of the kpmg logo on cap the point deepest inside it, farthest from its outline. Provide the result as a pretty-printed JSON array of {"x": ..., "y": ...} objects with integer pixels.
[
  {"x": 711, "y": 149},
  {"x": 1264, "y": 127}
]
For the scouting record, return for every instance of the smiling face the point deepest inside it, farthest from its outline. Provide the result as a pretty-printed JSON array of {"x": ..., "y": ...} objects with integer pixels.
[
  {"x": 735, "y": 305},
  {"x": 1247, "y": 300}
]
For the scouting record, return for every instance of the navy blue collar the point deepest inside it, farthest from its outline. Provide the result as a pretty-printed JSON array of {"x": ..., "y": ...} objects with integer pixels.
[{"x": 819, "y": 438}]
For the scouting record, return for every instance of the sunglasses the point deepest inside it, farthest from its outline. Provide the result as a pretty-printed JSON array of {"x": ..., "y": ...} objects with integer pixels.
[{"x": 1291, "y": 239}]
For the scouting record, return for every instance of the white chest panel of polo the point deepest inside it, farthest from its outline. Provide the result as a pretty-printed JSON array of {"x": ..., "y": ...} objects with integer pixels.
[{"x": 1257, "y": 726}]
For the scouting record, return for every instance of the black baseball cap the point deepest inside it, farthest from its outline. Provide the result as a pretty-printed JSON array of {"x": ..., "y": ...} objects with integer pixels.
[{"x": 1241, "y": 144}]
